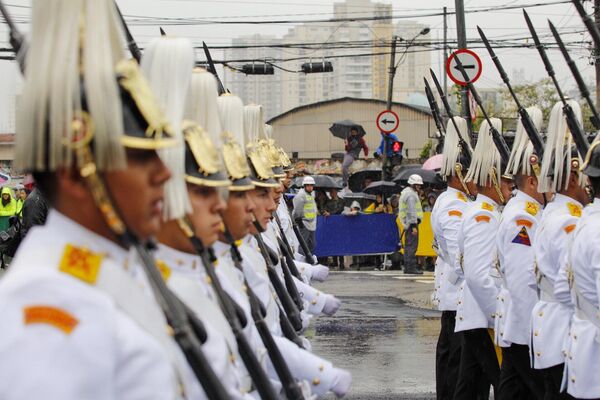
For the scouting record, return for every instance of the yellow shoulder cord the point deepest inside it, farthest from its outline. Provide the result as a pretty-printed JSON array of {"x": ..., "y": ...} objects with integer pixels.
[
  {"x": 496, "y": 185},
  {"x": 458, "y": 170}
]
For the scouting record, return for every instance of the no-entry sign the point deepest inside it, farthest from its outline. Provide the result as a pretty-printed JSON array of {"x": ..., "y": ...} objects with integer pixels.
[
  {"x": 471, "y": 64},
  {"x": 387, "y": 121}
]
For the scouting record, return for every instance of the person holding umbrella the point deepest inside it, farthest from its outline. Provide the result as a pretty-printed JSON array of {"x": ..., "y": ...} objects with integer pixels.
[{"x": 353, "y": 144}]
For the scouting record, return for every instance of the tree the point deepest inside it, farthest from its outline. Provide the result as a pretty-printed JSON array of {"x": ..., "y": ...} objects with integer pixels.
[{"x": 541, "y": 94}]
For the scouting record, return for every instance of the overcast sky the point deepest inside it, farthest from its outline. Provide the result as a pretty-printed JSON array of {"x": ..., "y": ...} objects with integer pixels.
[{"x": 496, "y": 24}]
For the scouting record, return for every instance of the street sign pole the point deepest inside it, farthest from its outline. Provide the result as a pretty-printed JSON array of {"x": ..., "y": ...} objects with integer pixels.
[
  {"x": 462, "y": 44},
  {"x": 392, "y": 72}
]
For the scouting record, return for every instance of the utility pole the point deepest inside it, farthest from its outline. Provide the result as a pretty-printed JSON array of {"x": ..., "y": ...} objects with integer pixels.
[
  {"x": 446, "y": 50},
  {"x": 392, "y": 72},
  {"x": 462, "y": 44},
  {"x": 596, "y": 52}
]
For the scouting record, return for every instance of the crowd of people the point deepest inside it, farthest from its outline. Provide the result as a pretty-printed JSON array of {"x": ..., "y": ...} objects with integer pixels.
[
  {"x": 517, "y": 271},
  {"x": 168, "y": 266}
]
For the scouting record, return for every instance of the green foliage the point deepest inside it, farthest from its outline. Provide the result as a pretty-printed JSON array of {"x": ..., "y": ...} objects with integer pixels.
[
  {"x": 426, "y": 150},
  {"x": 542, "y": 94}
]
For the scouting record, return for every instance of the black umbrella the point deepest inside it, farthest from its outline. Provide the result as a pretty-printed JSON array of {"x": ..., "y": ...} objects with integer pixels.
[
  {"x": 429, "y": 177},
  {"x": 356, "y": 182},
  {"x": 341, "y": 129},
  {"x": 321, "y": 182},
  {"x": 383, "y": 188}
]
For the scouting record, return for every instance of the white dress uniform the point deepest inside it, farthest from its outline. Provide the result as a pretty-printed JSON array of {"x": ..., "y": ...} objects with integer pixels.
[
  {"x": 518, "y": 293},
  {"x": 446, "y": 218},
  {"x": 304, "y": 366},
  {"x": 583, "y": 341},
  {"x": 476, "y": 306},
  {"x": 551, "y": 315},
  {"x": 80, "y": 322},
  {"x": 186, "y": 276}
]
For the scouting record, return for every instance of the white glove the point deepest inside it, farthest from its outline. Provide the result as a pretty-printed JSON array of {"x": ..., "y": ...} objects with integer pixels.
[
  {"x": 332, "y": 304},
  {"x": 320, "y": 272},
  {"x": 344, "y": 380}
]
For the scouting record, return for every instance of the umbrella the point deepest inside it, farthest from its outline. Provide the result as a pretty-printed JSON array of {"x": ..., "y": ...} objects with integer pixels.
[
  {"x": 341, "y": 129},
  {"x": 356, "y": 182},
  {"x": 383, "y": 188},
  {"x": 321, "y": 182},
  {"x": 429, "y": 177},
  {"x": 434, "y": 162}
]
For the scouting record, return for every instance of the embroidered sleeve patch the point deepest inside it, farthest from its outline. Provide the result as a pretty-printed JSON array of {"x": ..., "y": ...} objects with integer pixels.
[
  {"x": 81, "y": 263},
  {"x": 570, "y": 228},
  {"x": 455, "y": 213},
  {"x": 522, "y": 237},
  {"x": 524, "y": 222},
  {"x": 164, "y": 269},
  {"x": 531, "y": 208},
  {"x": 574, "y": 209},
  {"x": 482, "y": 218},
  {"x": 487, "y": 206},
  {"x": 48, "y": 315}
]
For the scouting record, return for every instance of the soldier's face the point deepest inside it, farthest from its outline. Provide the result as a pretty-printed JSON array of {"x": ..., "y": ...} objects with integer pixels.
[
  {"x": 238, "y": 215},
  {"x": 264, "y": 206},
  {"x": 138, "y": 191},
  {"x": 277, "y": 193},
  {"x": 207, "y": 206},
  {"x": 506, "y": 186}
]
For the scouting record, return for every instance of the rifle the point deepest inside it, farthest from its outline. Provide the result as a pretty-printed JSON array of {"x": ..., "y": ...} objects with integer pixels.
[
  {"x": 466, "y": 150},
  {"x": 289, "y": 281},
  {"x": 286, "y": 300},
  {"x": 236, "y": 319},
  {"x": 435, "y": 110},
  {"x": 308, "y": 255},
  {"x": 589, "y": 23},
  {"x": 212, "y": 69},
  {"x": 286, "y": 247},
  {"x": 131, "y": 44},
  {"x": 576, "y": 130},
  {"x": 290, "y": 386},
  {"x": 498, "y": 139},
  {"x": 595, "y": 119},
  {"x": 528, "y": 125},
  {"x": 16, "y": 38}
]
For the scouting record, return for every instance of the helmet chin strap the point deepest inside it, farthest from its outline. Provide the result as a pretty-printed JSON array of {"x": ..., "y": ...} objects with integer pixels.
[
  {"x": 458, "y": 170},
  {"x": 496, "y": 185}
]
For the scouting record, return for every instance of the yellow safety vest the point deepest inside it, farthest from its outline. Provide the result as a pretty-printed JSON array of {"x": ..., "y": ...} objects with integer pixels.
[
  {"x": 404, "y": 207},
  {"x": 310, "y": 207}
]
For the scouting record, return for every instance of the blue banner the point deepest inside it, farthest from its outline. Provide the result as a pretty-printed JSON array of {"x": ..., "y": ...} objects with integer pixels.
[{"x": 340, "y": 235}]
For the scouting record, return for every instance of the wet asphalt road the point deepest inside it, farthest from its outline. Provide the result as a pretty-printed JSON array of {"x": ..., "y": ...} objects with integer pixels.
[{"x": 385, "y": 334}]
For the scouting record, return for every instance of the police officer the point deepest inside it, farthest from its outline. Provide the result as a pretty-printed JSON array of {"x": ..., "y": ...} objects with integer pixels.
[
  {"x": 582, "y": 346},
  {"x": 515, "y": 238},
  {"x": 410, "y": 214},
  {"x": 446, "y": 218},
  {"x": 79, "y": 317},
  {"x": 305, "y": 212},
  {"x": 551, "y": 314},
  {"x": 477, "y": 254}
]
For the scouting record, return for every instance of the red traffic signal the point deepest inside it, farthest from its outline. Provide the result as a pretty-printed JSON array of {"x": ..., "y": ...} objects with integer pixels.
[{"x": 397, "y": 147}]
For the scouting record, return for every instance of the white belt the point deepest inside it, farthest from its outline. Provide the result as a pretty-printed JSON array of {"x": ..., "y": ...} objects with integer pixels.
[
  {"x": 545, "y": 288},
  {"x": 585, "y": 309}
]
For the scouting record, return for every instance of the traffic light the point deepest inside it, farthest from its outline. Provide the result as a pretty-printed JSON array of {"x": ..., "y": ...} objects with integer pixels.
[
  {"x": 397, "y": 148},
  {"x": 258, "y": 69}
]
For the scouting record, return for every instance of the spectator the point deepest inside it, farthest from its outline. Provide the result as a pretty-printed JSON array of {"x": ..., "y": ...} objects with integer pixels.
[
  {"x": 393, "y": 159},
  {"x": 321, "y": 200},
  {"x": 335, "y": 206},
  {"x": 21, "y": 195},
  {"x": 8, "y": 207},
  {"x": 305, "y": 213},
  {"x": 381, "y": 205},
  {"x": 353, "y": 145},
  {"x": 353, "y": 210},
  {"x": 411, "y": 214}
]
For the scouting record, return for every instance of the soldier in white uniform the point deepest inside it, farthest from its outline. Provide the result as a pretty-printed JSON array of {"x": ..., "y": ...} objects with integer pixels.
[
  {"x": 515, "y": 238},
  {"x": 477, "y": 254},
  {"x": 168, "y": 64},
  {"x": 551, "y": 314},
  {"x": 446, "y": 218},
  {"x": 583, "y": 260},
  {"x": 80, "y": 320}
]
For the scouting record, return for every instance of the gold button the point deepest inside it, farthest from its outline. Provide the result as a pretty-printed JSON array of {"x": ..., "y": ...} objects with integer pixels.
[
  {"x": 536, "y": 333},
  {"x": 541, "y": 314},
  {"x": 538, "y": 354},
  {"x": 321, "y": 367},
  {"x": 170, "y": 331},
  {"x": 461, "y": 318},
  {"x": 314, "y": 302},
  {"x": 316, "y": 381},
  {"x": 573, "y": 379},
  {"x": 459, "y": 302},
  {"x": 574, "y": 337},
  {"x": 501, "y": 333},
  {"x": 208, "y": 280}
]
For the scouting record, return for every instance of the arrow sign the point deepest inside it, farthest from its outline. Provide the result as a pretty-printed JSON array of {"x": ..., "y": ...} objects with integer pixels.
[
  {"x": 387, "y": 121},
  {"x": 470, "y": 62}
]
